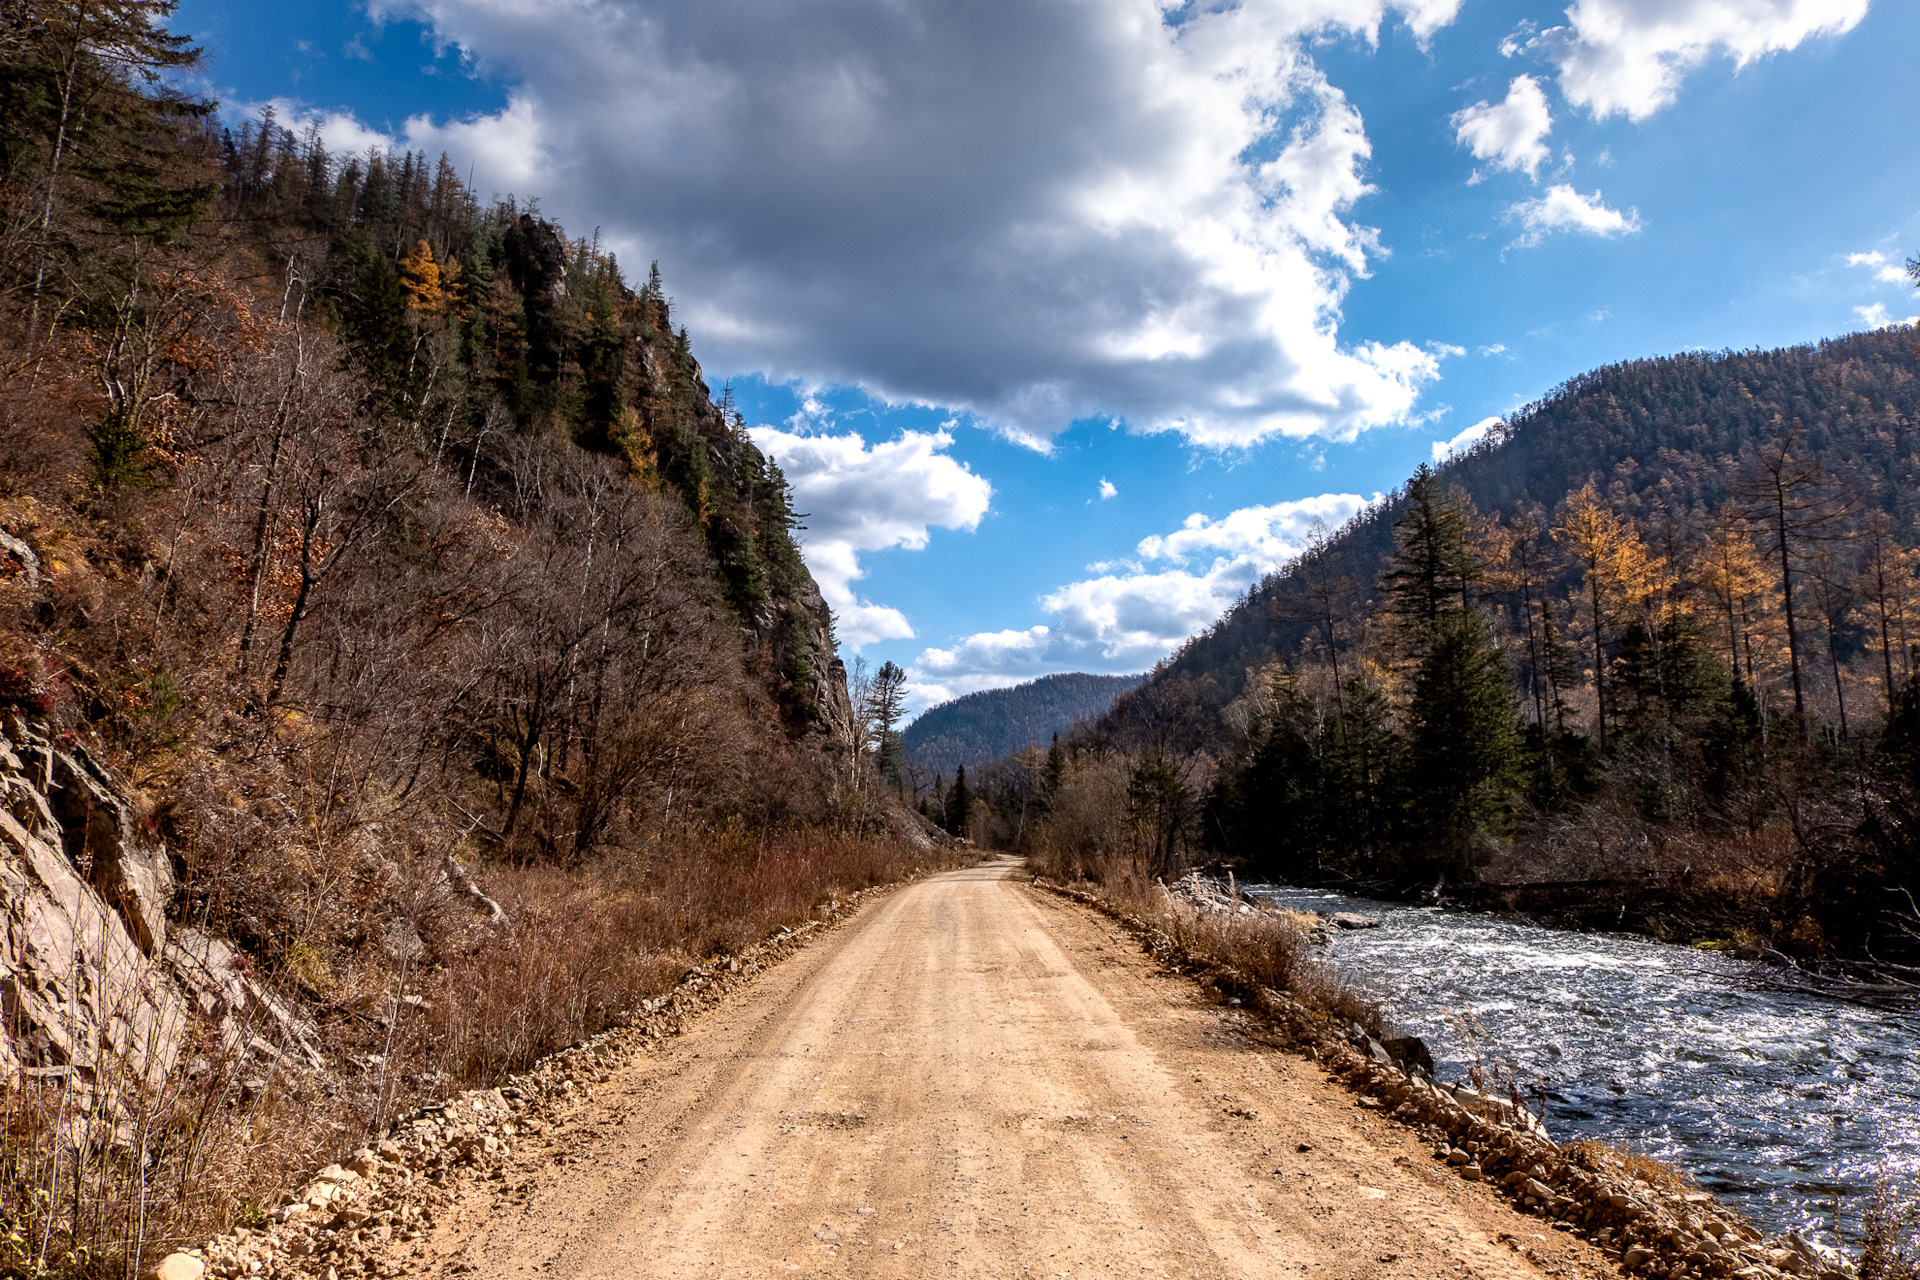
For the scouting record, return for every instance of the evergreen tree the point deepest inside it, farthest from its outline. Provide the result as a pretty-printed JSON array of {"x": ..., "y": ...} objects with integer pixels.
[
  {"x": 885, "y": 694},
  {"x": 959, "y": 804},
  {"x": 1462, "y": 741},
  {"x": 1359, "y": 761},
  {"x": 1160, "y": 814},
  {"x": 1432, "y": 568},
  {"x": 1268, "y": 810}
]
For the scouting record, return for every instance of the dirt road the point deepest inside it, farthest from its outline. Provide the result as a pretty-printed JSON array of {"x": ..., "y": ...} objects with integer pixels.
[{"x": 976, "y": 1079}]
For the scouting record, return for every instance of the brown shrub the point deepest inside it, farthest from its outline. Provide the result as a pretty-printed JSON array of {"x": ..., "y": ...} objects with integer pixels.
[
  {"x": 1891, "y": 1247},
  {"x": 1272, "y": 948}
]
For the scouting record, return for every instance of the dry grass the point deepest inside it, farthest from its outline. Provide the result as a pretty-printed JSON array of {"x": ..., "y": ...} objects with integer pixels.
[
  {"x": 1651, "y": 1170},
  {"x": 585, "y": 946},
  {"x": 1272, "y": 948},
  {"x": 96, "y": 1181},
  {"x": 1891, "y": 1248},
  {"x": 107, "y": 1162}
]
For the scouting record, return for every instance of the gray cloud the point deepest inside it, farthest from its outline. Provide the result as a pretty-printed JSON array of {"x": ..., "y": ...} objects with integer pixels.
[{"x": 1032, "y": 212}]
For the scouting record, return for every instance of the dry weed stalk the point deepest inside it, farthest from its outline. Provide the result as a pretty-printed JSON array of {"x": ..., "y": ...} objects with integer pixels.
[
  {"x": 143, "y": 1136},
  {"x": 1891, "y": 1248}
]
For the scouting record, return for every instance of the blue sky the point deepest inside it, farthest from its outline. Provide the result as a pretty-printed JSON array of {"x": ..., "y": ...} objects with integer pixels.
[{"x": 1069, "y": 319}]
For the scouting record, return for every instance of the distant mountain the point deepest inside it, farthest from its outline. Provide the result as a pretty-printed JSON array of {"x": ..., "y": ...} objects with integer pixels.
[{"x": 998, "y": 722}]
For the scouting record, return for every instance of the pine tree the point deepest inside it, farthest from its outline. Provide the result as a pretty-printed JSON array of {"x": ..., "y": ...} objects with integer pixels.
[
  {"x": 1268, "y": 809},
  {"x": 1433, "y": 568},
  {"x": 1462, "y": 742},
  {"x": 1160, "y": 812},
  {"x": 1358, "y": 764},
  {"x": 885, "y": 694},
  {"x": 959, "y": 804}
]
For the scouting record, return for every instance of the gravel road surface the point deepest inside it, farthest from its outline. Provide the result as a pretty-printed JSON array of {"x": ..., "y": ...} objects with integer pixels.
[{"x": 974, "y": 1078}]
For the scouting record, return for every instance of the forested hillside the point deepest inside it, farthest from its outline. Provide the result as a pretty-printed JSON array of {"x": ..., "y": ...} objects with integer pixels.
[
  {"x": 998, "y": 722},
  {"x": 1663, "y": 439},
  {"x": 426, "y": 634},
  {"x": 1641, "y": 658}
]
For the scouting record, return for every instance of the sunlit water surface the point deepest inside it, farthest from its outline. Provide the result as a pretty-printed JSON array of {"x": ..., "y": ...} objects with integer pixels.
[{"x": 1788, "y": 1105}]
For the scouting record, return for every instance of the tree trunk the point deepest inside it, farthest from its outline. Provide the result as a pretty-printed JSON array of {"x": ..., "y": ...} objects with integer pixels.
[
  {"x": 1786, "y": 599},
  {"x": 1599, "y": 659}
]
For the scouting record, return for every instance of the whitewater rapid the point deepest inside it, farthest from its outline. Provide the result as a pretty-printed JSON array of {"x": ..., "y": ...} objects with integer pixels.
[{"x": 1789, "y": 1105}]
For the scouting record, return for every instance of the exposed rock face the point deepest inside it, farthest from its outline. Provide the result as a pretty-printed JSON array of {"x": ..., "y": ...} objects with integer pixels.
[
  {"x": 83, "y": 990},
  {"x": 95, "y": 986},
  {"x": 97, "y": 832}
]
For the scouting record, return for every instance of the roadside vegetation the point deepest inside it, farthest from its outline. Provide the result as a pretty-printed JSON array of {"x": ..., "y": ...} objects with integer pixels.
[{"x": 387, "y": 550}]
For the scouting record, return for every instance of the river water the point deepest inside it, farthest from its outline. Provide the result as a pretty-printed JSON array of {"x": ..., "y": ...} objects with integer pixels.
[{"x": 1788, "y": 1105}]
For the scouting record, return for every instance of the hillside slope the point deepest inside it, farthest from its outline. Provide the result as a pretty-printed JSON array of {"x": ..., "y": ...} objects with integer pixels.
[
  {"x": 1661, "y": 437},
  {"x": 1644, "y": 659},
  {"x": 406, "y": 663},
  {"x": 998, "y": 722}
]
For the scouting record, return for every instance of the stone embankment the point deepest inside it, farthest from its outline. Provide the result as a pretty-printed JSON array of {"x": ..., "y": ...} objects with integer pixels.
[
  {"x": 1646, "y": 1218},
  {"x": 372, "y": 1213}
]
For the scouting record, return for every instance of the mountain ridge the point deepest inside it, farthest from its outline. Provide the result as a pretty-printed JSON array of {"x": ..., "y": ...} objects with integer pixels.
[{"x": 998, "y": 722}]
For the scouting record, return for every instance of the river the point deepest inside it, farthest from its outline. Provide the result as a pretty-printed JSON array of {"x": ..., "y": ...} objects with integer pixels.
[{"x": 1789, "y": 1106}]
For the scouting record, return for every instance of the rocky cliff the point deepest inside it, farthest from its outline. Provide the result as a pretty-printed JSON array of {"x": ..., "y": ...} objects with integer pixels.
[{"x": 99, "y": 989}]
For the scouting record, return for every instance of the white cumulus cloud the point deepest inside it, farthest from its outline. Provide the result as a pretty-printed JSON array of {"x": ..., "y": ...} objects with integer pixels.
[
  {"x": 1876, "y": 316},
  {"x": 1629, "y": 57},
  {"x": 1034, "y": 213},
  {"x": 1107, "y": 489},
  {"x": 1132, "y": 613},
  {"x": 859, "y": 497},
  {"x": 986, "y": 660},
  {"x": 504, "y": 149},
  {"x": 1884, "y": 271},
  {"x": 1444, "y": 449},
  {"x": 1511, "y": 134},
  {"x": 1562, "y": 208}
]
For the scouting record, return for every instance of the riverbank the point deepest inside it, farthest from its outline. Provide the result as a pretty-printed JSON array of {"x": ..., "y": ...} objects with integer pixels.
[
  {"x": 1679, "y": 908},
  {"x": 1638, "y": 1211},
  {"x": 1789, "y": 1103}
]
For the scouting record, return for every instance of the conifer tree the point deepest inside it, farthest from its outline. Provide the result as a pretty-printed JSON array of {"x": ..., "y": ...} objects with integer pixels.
[
  {"x": 959, "y": 804},
  {"x": 1618, "y": 574},
  {"x": 885, "y": 694},
  {"x": 1732, "y": 575},
  {"x": 1794, "y": 500},
  {"x": 1433, "y": 567},
  {"x": 1159, "y": 813},
  {"x": 1462, "y": 741}
]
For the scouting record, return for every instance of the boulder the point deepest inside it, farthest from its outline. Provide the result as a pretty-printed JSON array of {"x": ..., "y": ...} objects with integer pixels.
[
  {"x": 178, "y": 1266},
  {"x": 1352, "y": 920},
  {"x": 1411, "y": 1053}
]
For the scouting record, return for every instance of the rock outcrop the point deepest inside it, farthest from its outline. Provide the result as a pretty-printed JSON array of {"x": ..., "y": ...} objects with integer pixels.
[
  {"x": 85, "y": 990},
  {"x": 97, "y": 988}
]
